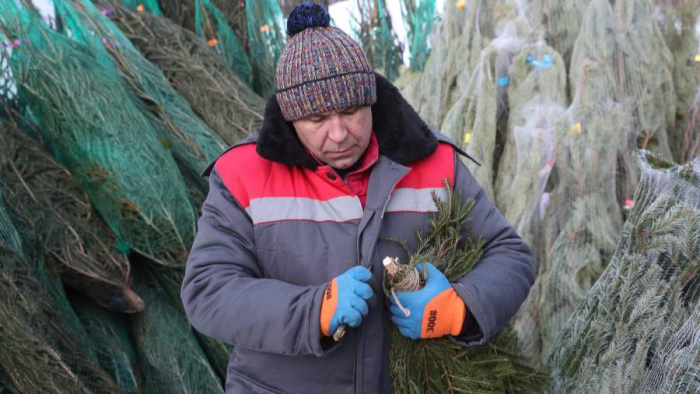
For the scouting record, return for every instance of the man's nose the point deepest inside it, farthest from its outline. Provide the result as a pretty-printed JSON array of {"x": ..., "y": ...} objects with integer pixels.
[{"x": 337, "y": 132}]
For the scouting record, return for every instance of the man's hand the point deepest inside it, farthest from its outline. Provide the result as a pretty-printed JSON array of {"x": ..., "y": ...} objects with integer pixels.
[
  {"x": 345, "y": 300},
  {"x": 435, "y": 310}
]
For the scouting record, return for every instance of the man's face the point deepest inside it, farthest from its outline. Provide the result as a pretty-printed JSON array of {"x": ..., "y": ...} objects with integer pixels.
[{"x": 337, "y": 138}]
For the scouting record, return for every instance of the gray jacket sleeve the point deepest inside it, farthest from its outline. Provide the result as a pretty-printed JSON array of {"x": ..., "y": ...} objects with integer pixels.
[
  {"x": 501, "y": 280},
  {"x": 225, "y": 295}
]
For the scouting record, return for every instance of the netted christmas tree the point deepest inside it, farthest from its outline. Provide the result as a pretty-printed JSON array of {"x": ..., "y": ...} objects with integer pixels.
[
  {"x": 473, "y": 119},
  {"x": 623, "y": 39},
  {"x": 8, "y": 89},
  {"x": 197, "y": 72},
  {"x": 560, "y": 21},
  {"x": 180, "y": 12},
  {"x": 212, "y": 26},
  {"x": 677, "y": 21},
  {"x": 456, "y": 46},
  {"x": 374, "y": 31},
  {"x": 419, "y": 17},
  {"x": 536, "y": 99},
  {"x": 691, "y": 132},
  {"x": 440, "y": 365},
  {"x": 583, "y": 217},
  {"x": 170, "y": 280},
  {"x": 144, "y": 6},
  {"x": 83, "y": 107},
  {"x": 66, "y": 222},
  {"x": 530, "y": 158},
  {"x": 171, "y": 359},
  {"x": 193, "y": 144},
  {"x": 109, "y": 334},
  {"x": 45, "y": 349},
  {"x": 234, "y": 11},
  {"x": 266, "y": 38},
  {"x": 637, "y": 330}
]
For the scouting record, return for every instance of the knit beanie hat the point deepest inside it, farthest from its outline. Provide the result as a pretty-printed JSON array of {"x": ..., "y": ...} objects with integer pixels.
[{"x": 321, "y": 68}]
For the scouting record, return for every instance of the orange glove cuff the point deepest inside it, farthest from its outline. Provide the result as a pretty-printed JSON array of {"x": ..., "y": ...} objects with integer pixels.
[
  {"x": 328, "y": 306},
  {"x": 444, "y": 315}
]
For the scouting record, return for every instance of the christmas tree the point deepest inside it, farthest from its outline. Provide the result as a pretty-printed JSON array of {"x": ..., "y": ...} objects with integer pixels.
[
  {"x": 637, "y": 329},
  {"x": 196, "y": 71},
  {"x": 456, "y": 45},
  {"x": 536, "y": 99}
]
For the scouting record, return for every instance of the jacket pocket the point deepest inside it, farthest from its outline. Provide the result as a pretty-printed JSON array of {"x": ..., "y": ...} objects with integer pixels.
[{"x": 237, "y": 383}]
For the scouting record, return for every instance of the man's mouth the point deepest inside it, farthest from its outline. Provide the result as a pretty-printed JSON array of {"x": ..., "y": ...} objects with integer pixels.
[{"x": 340, "y": 153}]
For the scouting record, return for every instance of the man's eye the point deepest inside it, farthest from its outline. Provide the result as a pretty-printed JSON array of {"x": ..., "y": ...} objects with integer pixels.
[{"x": 350, "y": 111}]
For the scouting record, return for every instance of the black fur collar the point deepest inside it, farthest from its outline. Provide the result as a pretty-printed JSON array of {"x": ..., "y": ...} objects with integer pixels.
[{"x": 402, "y": 135}]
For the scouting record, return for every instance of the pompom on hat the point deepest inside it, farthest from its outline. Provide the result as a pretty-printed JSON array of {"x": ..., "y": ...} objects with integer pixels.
[{"x": 321, "y": 68}]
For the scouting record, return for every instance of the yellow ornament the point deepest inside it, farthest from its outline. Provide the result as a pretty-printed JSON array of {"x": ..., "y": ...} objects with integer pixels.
[
  {"x": 576, "y": 128},
  {"x": 467, "y": 138},
  {"x": 697, "y": 58},
  {"x": 461, "y": 5}
]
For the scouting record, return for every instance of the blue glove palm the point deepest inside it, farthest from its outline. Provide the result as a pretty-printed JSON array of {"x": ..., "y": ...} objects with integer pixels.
[
  {"x": 345, "y": 300},
  {"x": 435, "y": 310}
]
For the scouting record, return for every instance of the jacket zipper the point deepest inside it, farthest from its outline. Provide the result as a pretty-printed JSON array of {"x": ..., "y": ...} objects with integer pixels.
[
  {"x": 381, "y": 216},
  {"x": 360, "y": 336}
]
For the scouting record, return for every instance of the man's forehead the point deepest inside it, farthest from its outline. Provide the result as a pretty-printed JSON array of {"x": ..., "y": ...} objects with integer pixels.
[{"x": 328, "y": 113}]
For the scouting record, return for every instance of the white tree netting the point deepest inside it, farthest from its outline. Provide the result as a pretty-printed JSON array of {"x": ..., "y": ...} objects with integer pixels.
[
  {"x": 637, "y": 330},
  {"x": 536, "y": 99},
  {"x": 583, "y": 218},
  {"x": 455, "y": 50},
  {"x": 636, "y": 70},
  {"x": 560, "y": 21}
]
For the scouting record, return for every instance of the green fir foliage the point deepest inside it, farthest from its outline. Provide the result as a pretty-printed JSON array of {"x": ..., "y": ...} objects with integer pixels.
[
  {"x": 637, "y": 329},
  {"x": 441, "y": 365}
]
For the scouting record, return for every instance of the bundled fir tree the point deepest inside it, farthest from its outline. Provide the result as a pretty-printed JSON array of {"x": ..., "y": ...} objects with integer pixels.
[
  {"x": 234, "y": 12},
  {"x": 560, "y": 21},
  {"x": 170, "y": 280},
  {"x": 7, "y": 85},
  {"x": 678, "y": 20},
  {"x": 83, "y": 106},
  {"x": 419, "y": 16},
  {"x": 440, "y": 365},
  {"x": 193, "y": 144},
  {"x": 180, "y": 12},
  {"x": 211, "y": 25},
  {"x": 172, "y": 360},
  {"x": 144, "y": 6},
  {"x": 266, "y": 38},
  {"x": 66, "y": 222},
  {"x": 625, "y": 42},
  {"x": 473, "y": 119},
  {"x": 45, "y": 349},
  {"x": 377, "y": 38},
  {"x": 536, "y": 98},
  {"x": 456, "y": 45},
  {"x": 109, "y": 334},
  {"x": 691, "y": 132},
  {"x": 196, "y": 71},
  {"x": 583, "y": 217},
  {"x": 638, "y": 328}
]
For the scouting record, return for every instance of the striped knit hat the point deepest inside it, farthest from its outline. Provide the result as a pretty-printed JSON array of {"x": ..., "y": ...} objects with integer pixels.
[{"x": 321, "y": 69}]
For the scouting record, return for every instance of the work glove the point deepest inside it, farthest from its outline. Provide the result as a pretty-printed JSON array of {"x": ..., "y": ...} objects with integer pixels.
[
  {"x": 345, "y": 300},
  {"x": 435, "y": 310}
]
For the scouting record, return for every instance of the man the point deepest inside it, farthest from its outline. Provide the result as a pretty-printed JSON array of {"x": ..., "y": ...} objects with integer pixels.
[{"x": 292, "y": 234}]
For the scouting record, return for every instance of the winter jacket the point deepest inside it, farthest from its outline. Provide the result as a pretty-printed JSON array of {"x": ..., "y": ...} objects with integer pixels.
[{"x": 276, "y": 227}]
